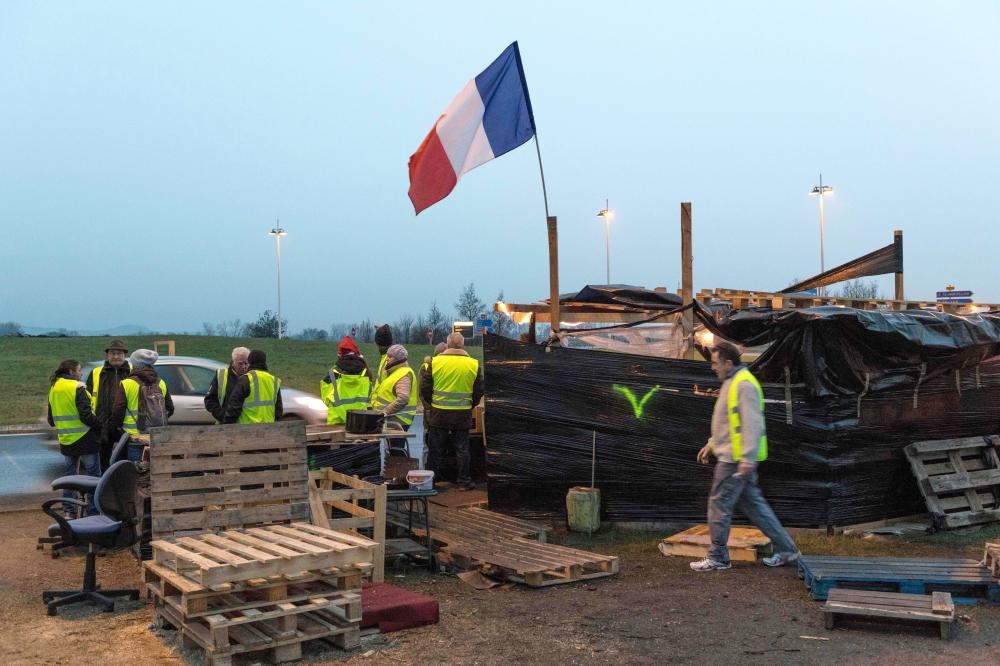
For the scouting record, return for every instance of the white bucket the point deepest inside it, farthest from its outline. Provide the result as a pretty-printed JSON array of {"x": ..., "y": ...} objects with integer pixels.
[{"x": 420, "y": 479}]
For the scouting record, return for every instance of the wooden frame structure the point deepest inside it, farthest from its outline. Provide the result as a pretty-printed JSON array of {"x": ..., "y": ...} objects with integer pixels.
[{"x": 331, "y": 492}]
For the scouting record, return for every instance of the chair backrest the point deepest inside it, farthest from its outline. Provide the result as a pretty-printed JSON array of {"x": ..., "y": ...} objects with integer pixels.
[
  {"x": 120, "y": 451},
  {"x": 115, "y": 498}
]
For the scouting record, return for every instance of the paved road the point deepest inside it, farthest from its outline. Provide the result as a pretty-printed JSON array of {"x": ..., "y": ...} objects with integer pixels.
[{"x": 27, "y": 464}]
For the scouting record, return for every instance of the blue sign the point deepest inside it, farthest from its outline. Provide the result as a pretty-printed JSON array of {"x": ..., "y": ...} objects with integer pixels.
[
  {"x": 481, "y": 325},
  {"x": 954, "y": 300},
  {"x": 954, "y": 294}
]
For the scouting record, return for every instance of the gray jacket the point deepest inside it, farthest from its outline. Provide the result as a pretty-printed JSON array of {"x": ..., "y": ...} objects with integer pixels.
[{"x": 751, "y": 421}]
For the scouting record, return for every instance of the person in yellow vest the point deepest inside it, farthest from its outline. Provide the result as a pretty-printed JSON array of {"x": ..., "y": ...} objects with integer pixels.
[
  {"x": 451, "y": 386},
  {"x": 225, "y": 381},
  {"x": 125, "y": 410},
  {"x": 77, "y": 429},
  {"x": 738, "y": 442},
  {"x": 348, "y": 384},
  {"x": 257, "y": 395},
  {"x": 103, "y": 383},
  {"x": 396, "y": 395}
]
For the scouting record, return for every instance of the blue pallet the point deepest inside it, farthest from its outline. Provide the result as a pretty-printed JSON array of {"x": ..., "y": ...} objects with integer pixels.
[{"x": 968, "y": 581}]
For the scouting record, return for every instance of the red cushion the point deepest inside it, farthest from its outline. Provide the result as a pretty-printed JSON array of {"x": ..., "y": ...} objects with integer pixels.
[{"x": 392, "y": 608}]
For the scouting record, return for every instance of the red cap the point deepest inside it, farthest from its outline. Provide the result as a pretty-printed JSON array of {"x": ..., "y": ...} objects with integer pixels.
[{"x": 347, "y": 346}]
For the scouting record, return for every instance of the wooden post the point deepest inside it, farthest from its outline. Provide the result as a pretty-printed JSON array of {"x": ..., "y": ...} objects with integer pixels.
[
  {"x": 897, "y": 239},
  {"x": 553, "y": 275},
  {"x": 687, "y": 281}
]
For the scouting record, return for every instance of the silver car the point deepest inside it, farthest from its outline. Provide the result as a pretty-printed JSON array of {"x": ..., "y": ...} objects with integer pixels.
[{"x": 189, "y": 377}]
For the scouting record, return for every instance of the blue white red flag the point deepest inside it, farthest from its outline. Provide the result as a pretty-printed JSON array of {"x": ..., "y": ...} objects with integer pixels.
[{"x": 489, "y": 117}]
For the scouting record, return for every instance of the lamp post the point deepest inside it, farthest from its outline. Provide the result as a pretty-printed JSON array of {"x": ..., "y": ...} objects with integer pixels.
[
  {"x": 607, "y": 214},
  {"x": 278, "y": 232},
  {"x": 820, "y": 191}
]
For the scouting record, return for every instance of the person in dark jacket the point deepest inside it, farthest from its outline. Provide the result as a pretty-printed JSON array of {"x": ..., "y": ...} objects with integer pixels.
[
  {"x": 124, "y": 411},
  {"x": 227, "y": 378},
  {"x": 452, "y": 385},
  {"x": 265, "y": 405},
  {"x": 103, "y": 383},
  {"x": 77, "y": 429}
]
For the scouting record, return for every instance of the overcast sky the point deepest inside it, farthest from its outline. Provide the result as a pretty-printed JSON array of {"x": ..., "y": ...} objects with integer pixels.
[{"x": 147, "y": 148}]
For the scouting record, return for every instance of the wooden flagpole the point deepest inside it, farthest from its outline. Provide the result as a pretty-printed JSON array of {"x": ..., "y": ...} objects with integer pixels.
[{"x": 553, "y": 251}]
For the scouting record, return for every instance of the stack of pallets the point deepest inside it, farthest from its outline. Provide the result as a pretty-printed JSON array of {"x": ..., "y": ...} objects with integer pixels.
[{"x": 264, "y": 588}]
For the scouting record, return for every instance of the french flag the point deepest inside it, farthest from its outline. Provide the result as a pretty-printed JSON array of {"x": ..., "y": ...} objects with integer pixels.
[{"x": 489, "y": 117}]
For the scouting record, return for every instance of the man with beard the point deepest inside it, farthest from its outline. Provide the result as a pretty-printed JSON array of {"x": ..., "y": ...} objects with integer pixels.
[{"x": 103, "y": 383}]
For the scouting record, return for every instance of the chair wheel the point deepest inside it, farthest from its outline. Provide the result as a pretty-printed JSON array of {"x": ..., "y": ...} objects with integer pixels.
[
  {"x": 46, "y": 597},
  {"x": 52, "y": 610},
  {"x": 134, "y": 596}
]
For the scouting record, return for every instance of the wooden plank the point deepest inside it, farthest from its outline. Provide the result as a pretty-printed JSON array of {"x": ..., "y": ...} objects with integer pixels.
[
  {"x": 963, "y": 480},
  {"x": 938, "y": 445}
]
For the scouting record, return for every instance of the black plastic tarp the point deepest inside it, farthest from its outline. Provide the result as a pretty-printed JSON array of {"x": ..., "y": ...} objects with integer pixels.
[{"x": 836, "y": 447}]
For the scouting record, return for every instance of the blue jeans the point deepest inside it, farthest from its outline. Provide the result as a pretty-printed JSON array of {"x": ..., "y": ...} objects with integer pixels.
[
  {"x": 91, "y": 463},
  {"x": 731, "y": 490}
]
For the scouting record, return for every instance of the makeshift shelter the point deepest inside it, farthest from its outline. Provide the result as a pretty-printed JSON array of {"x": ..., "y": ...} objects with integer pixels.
[{"x": 845, "y": 391}]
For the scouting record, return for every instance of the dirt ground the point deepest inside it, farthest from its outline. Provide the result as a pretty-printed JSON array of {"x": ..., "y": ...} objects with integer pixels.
[{"x": 654, "y": 611}]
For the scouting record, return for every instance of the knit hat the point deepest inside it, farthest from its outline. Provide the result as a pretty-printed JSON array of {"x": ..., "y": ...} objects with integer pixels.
[
  {"x": 383, "y": 336},
  {"x": 143, "y": 357},
  {"x": 397, "y": 352},
  {"x": 116, "y": 345},
  {"x": 347, "y": 346},
  {"x": 257, "y": 358}
]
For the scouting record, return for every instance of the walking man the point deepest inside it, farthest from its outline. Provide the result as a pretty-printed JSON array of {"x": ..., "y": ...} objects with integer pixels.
[{"x": 738, "y": 442}]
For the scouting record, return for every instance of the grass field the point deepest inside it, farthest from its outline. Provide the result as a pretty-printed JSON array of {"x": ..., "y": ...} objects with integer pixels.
[{"x": 26, "y": 363}]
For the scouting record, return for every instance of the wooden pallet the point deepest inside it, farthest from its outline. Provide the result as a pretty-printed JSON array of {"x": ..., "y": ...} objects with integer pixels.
[
  {"x": 959, "y": 479},
  {"x": 281, "y": 629},
  {"x": 341, "y": 502},
  {"x": 192, "y": 599},
  {"x": 991, "y": 559},
  {"x": 529, "y": 562},
  {"x": 936, "y": 607},
  {"x": 968, "y": 581},
  {"x": 745, "y": 544},
  {"x": 224, "y": 477},
  {"x": 217, "y": 560},
  {"x": 479, "y": 523}
]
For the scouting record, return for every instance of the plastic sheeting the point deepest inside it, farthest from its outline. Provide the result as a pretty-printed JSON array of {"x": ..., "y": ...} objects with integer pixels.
[{"x": 835, "y": 442}]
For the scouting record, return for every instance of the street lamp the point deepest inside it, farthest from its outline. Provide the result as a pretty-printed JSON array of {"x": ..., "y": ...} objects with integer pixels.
[
  {"x": 820, "y": 191},
  {"x": 278, "y": 232},
  {"x": 607, "y": 214}
]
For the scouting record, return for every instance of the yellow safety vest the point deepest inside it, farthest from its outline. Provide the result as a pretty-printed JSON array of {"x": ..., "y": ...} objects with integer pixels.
[
  {"x": 343, "y": 393},
  {"x": 259, "y": 405},
  {"x": 385, "y": 394},
  {"x": 62, "y": 401},
  {"x": 97, "y": 383},
  {"x": 453, "y": 377},
  {"x": 732, "y": 402},
  {"x": 131, "y": 422},
  {"x": 221, "y": 379}
]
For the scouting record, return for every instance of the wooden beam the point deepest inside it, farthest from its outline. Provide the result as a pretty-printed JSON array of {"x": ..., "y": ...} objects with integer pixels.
[
  {"x": 897, "y": 238},
  {"x": 687, "y": 279},
  {"x": 553, "y": 274}
]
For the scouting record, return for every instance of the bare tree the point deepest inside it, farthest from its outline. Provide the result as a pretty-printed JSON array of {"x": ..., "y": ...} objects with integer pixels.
[
  {"x": 860, "y": 290},
  {"x": 10, "y": 328},
  {"x": 418, "y": 330},
  {"x": 207, "y": 328},
  {"x": 365, "y": 330},
  {"x": 468, "y": 304},
  {"x": 230, "y": 329},
  {"x": 438, "y": 322},
  {"x": 502, "y": 323},
  {"x": 402, "y": 328},
  {"x": 338, "y": 331}
]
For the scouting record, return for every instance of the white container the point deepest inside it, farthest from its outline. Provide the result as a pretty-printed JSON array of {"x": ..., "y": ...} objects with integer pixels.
[{"x": 420, "y": 479}]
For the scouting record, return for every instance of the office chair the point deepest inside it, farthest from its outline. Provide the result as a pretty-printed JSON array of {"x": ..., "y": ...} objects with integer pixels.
[
  {"x": 83, "y": 484},
  {"x": 114, "y": 527}
]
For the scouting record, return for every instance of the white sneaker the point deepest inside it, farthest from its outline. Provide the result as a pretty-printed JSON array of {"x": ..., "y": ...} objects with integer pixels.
[
  {"x": 708, "y": 564},
  {"x": 781, "y": 559}
]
